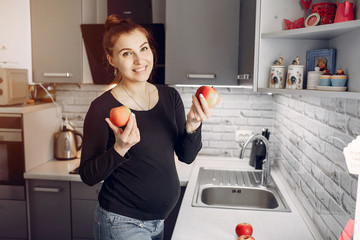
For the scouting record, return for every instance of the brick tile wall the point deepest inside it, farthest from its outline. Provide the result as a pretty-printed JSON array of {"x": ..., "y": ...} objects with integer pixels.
[
  {"x": 309, "y": 136},
  {"x": 305, "y": 133},
  {"x": 239, "y": 109}
]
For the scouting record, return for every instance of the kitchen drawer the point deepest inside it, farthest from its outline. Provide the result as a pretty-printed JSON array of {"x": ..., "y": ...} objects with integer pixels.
[
  {"x": 50, "y": 212},
  {"x": 82, "y": 218},
  {"x": 80, "y": 190},
  {"x": 13, "y": 219}
]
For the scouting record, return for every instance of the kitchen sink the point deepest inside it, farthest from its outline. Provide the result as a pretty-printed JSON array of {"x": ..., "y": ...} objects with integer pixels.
[{"x": 217, "y": 188}]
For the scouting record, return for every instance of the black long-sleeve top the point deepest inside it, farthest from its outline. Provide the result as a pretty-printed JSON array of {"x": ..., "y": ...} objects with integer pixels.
[{"x": 144, "y": 183}]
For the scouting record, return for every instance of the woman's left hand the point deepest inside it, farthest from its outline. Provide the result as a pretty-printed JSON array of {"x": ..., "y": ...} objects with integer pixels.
[{"x": 199, "y": 112}]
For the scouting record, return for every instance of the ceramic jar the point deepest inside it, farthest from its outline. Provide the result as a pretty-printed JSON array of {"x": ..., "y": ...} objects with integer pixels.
[
  {"x": 325, "y": 80},
  {"x": 313, "y": 78},
  {"x": 295, "y": 77},
  {"x": 277, "y": 76},
  {"x": 338, "y": 80}
]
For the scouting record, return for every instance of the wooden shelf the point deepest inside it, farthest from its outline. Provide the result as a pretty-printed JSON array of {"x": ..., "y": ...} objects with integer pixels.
[
  {"x": 321, "y": 32},
  {"x": 317, "y": 93}
]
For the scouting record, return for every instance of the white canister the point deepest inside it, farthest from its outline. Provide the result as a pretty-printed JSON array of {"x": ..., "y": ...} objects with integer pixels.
[
  {"x": 295, "y": 77},
  {"x": 313, "y": 78},
  {"x": 277, "y": 76}
]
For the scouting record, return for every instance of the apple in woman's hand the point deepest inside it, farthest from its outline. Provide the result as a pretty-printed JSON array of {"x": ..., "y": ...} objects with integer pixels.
[
  {"x": 244, "y": 229},
  {"x": 210, "y": 94},
  {"x": 119, "y": 116}
]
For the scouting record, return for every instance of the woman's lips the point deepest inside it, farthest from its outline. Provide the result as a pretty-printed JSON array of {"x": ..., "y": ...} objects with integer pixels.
[{"x": 140, "y": 69}]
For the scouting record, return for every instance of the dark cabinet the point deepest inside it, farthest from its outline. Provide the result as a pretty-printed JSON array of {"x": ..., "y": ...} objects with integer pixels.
[
  {"x": 171, "y": 220},
  {"x": 64, "y": 210},
  {"x": 13, "y": 224},
  {"x": 83, "y": 203},
  {"x": 247, "y": 42},
  {"x": 49, "y": 209},
  {"x": 139, "y": 11}
]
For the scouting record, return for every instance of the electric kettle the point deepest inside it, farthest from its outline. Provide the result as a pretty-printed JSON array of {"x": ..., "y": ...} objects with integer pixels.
[{"x": 66, "y": 144}]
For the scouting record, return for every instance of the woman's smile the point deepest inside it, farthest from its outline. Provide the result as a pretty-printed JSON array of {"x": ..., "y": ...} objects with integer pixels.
[{"x": 140, "y": 69}]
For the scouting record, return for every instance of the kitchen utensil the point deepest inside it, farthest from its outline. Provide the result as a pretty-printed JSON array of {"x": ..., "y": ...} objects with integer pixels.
[
  {"x": 313, "y": 78},
  {"x": 66, "y": 144},
  {"x": 338, "y": 80},
  {"x": 344, "y": 11},
  {"x": 277, "y": 76},
  {"x": 325, "y": 80},
  {"x": 295, "y": 77}
]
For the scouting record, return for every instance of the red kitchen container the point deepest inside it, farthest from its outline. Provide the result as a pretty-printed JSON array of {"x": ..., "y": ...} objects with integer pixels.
[{"x": 326, "y": 11}]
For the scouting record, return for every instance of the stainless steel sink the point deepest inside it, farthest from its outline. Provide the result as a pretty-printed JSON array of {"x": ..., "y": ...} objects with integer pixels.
[{"x": 237, "y": 189}]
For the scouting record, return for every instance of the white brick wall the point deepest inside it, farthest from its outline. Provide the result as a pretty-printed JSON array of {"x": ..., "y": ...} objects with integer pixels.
[
  {"x": 239, "y": 109},
  {"x": 302, "y": 138},
  {"x": 312, "y": 159}
]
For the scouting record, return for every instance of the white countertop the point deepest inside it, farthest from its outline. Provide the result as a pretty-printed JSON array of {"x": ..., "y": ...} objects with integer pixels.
[
  {"x": 25, "y": 108},
  {"x": 55, "y": 170},
  {"x": 196, "y": 223},
  {"x": 59, "y": 170}
]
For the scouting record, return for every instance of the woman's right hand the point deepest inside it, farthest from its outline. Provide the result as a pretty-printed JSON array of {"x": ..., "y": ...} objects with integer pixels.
[{"x": 125, "y": 139}]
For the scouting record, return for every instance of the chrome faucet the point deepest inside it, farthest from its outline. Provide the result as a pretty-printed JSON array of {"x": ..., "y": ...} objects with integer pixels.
[{"x": 265, "y": 177}]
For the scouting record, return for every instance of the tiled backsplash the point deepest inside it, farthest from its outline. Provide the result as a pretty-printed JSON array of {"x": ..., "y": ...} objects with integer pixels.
[
  {"x": 306, "y": 137},
  {"x": 309, "y": 136}
]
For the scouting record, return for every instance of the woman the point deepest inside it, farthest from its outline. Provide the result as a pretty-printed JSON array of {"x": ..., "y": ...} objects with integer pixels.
[{"x": 136, "y": 164}]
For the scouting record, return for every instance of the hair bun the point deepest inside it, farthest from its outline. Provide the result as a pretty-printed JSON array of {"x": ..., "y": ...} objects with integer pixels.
[{"x": 112, "y": 20}]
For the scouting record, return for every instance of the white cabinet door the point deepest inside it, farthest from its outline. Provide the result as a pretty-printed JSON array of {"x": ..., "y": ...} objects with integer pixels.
[
  {"x": 202, "y": 38},
  {"x": 15, "y": 37}
]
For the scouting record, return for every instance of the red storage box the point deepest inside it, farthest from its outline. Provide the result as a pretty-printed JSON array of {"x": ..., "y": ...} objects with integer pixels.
[{"x": 326, "y": 11}]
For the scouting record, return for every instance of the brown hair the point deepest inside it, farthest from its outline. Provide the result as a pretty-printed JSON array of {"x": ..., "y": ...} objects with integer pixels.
[{"x": 114, "y": 27}]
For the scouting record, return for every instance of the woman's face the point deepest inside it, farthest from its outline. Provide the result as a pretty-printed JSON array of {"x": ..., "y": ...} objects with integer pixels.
[{"x": 132, "y": 56}]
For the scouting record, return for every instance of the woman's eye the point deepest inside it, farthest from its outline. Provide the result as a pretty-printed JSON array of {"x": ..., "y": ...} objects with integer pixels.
[
  {"x": 144, "y": 48},
  {"x": 126, "y": 54}
]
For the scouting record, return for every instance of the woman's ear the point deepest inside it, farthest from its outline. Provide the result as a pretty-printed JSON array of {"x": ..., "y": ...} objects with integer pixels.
[{"x": 110, "y": 60}]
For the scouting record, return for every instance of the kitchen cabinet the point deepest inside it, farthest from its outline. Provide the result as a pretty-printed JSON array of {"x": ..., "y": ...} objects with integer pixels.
[
  {"x": 83, "y": 203},
  {"x": 202, "y": 39},
  {"x": 15, "y": 47},
  {"x": 139, "y": 11},
  {"x": 66, "y": 209},
  {"x": 56, "y": 40},
  {"x": 13, "y": 224},
  {"x": 246, "y": 42},
  {"x": 272, "y": 42},
  {"x": 169, "y": 223},
  {"x": 49, "y": 209}
]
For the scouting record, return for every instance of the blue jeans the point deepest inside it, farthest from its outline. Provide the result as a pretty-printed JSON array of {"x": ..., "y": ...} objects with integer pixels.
[{"x": 108, "y": 225}]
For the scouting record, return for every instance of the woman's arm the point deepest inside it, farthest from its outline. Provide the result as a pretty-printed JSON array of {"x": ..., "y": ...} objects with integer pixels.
[
  {"x": 98, "y": 157},
  {"x": 189, "y": 140}
]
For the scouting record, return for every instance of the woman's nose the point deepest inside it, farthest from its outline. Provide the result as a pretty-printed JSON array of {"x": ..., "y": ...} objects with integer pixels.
[{"x": 137, "y": 58}]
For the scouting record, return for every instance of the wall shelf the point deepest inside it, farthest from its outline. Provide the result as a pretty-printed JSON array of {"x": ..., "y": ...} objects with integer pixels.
[
  {"x": 317, "y": 93},
  {"x": 321, "y": 32}
]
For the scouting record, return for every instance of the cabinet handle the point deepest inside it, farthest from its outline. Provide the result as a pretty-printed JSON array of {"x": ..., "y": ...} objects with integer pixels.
[
  {"x": 127, "y": 12},
  {"x": 47, "y": 189},
  {"x": 67, "y": 75},
  {"x": 245, "y": 76},
  {"x": 196, "y": 75}
]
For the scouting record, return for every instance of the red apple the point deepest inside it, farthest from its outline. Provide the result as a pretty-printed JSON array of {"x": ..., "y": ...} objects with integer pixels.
[
  {"x": 246, "y": 237},
  {"x": 210, "y": 94},
  {"x": 119, "y": 116},
  {"x": 244, "y": 229}
]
